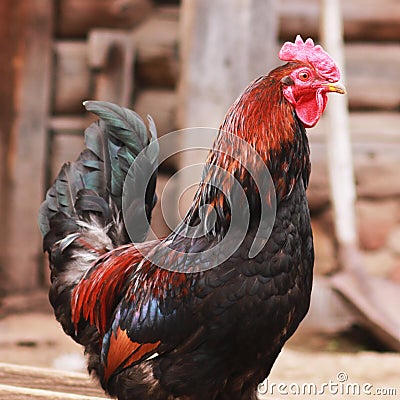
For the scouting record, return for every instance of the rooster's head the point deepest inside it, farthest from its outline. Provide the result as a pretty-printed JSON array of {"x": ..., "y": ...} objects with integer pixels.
[{"x": 312, "y": 75}]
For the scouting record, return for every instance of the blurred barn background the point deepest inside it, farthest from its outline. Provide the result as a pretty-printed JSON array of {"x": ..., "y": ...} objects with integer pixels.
[{"x": 184, "y": 62}]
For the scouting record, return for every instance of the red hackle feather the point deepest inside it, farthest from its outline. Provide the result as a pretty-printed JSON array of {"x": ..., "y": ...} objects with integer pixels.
[
  {"x": 247, "y": 119},
  {"x": 157, "y": 282},
  {"x": 94, "y": 297}
]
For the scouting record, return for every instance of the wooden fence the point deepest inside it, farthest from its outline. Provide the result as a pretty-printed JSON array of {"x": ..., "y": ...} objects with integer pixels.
[{"x": 57, "y": 64}]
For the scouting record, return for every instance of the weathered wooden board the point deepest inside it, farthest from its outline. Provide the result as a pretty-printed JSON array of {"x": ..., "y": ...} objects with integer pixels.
[
  {"x": 26, "y": 151},
  {"x": 376, "y": 152},
  {"x": 76, "y": 17},
  {"x": 373, "y": 70},
  {"x": 8, "y": 392},
  {"x": 70, "y": 124},
  {"x": 79, "y": 76},
  {"x": 37, "y": 383},
  {"x": 11, "y": 20},
  {"x": 111, "y": 55},
  {"x": 157, "y": 42},
  {"x": 218, "y": 60},
  {"x": 71, "y": 76},
  {"x": 373, "y": 75},
  {"x": 363, "y": 19},
  {"x": 25, "y": 303},
  {"x": 366, "y": 127},
  {"x": 374, "y": 180},
  {"x": 100, "y": 68}
]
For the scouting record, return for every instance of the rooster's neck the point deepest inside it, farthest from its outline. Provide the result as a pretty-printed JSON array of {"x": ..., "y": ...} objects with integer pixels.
[
  {"x": 261, "y": 131},
  {"x": 264, "y": 119}
]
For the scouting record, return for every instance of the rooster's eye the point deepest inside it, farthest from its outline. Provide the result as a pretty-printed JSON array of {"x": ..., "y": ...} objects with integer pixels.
[{"x": 304, "y": 76}]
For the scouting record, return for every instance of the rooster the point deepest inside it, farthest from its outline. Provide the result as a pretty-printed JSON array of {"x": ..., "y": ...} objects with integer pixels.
[{"x": 154, "y": 325}]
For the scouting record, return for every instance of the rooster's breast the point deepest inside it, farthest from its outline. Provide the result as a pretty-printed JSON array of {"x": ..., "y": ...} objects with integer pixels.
[{"x": 260, "y": 301}]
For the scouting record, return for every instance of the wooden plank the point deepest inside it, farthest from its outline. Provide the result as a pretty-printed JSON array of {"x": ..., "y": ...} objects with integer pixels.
[
  {"x": 375, "y": 301},
  {"x": 157, "y": 42},
  {"x": 376, "y": 151},
  {"x": 374, "y": 179},
  {"x": 8, "y": 392},
  {"x": 111, "y": 56},
  {"x": 18, "y": 377},
  {"x": 339, "y": 151},
  {"x": 25, "y": 169},
  {"x": 363, "y": 19},
  {"x": 373, "y": 70},
  {"x": 156, "y": 64},
  {"x": 11, "y": 19},
  {"x": 365, "y": 127},
  {"x": 225, "y": 55},
  {"x": 373, "y": 75},
  {"x": 75, "y": 18},
  {"x": 378, "y": 181},
  {"x": 24, "y": 303},
  {"x": 101, "y": 68},
  {"x": 224, "y": 45},
  {"x": 71, "y": 76},
  {"x": 71, "y": 124}
]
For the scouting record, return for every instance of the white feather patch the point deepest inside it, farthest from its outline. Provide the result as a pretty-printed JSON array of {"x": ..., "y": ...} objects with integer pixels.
[{"x": 152, "y": 356}]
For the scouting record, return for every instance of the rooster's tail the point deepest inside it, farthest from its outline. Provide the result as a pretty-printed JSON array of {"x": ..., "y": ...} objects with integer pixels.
[{"x": 81, "y": 218}]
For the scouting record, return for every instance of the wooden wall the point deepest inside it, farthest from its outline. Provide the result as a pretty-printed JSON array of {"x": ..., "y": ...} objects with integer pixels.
[
  {"x": 8, "y": 41},
  {"x": 46, "y": 73},
  {"x": 28, "y": 26},
  {"x": 372, "y": 52}
]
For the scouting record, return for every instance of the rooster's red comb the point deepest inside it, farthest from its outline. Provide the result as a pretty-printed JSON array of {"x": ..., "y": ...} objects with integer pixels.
[{"x": 309, "y": 53}]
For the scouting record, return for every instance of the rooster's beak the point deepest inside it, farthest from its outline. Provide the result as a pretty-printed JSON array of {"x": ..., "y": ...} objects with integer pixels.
[{"x": 335, "y": 87}]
